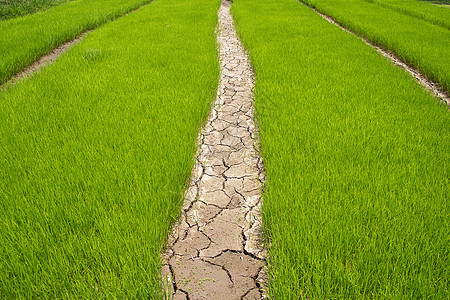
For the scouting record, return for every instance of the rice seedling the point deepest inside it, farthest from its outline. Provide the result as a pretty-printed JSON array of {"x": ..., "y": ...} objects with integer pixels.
[
  {"x": 24, "y": 40},
  {"x": 357, "y": 158},
  {"x": 420, "y": 9},
  {"x": 95, "y": 151},
  {"x": 16, "y": 8},
  {"x": 418, "y": 42}
]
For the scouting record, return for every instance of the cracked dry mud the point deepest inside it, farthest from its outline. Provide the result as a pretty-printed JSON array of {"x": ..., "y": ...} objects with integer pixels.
[{"x": 215, "y": 250}]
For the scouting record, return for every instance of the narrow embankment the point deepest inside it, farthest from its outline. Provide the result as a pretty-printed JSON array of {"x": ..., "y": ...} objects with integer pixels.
[
  {"x": 216, "y": 250},
  {"x": 95, "y": 152},
  {"x": 356, "y": 158},
  {"x": 24, "y": 40}
]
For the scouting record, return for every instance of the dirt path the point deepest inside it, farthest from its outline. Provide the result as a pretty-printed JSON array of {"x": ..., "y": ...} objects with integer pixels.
[
  {"x": 431, "y": 86},
  {"x": 215, "y": 250}
]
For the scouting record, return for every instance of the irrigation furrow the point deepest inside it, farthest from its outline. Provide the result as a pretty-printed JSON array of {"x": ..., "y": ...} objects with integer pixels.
[
  {"x": 428, "y": 84},
  {"x": 215, "y": 250}
]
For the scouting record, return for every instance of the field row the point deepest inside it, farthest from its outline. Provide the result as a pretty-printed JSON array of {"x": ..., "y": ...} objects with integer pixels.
[
  {"x": 10, "y": 9},
  {"x": 23, "y": 40},
  {"x": 421, "y": 44},
  {"x": 356, "y": 203},
  {"x": 96, "y": 150},
  {"x": 418, "y": 9}
]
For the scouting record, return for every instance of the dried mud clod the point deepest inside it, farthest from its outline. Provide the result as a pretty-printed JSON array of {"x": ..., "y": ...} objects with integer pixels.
[{"x": 215, "y": 250}]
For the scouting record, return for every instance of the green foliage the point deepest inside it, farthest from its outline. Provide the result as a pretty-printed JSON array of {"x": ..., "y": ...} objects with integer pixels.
[
  {"x": 95, "y": 152},
  {"x": 447, "y": 2},
  {"x": 357, "y": 159},
  {"x": 15, "y": 8},
  {"x": 24, "y": 40},
  {"x": 421, "y": 10},
  {"x": 421, "y": 44}
]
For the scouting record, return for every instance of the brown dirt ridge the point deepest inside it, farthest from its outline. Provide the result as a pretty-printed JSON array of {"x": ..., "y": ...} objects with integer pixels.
[{"x": 215, "y": 250}]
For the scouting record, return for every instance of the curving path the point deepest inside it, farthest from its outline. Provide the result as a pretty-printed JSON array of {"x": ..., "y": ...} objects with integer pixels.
[{"x": 215, "y": 251}]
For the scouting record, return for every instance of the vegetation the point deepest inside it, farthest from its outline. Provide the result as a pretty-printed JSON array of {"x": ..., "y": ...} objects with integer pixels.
[
  {"x": 95, "y": 151},
  {"x": 447, "y": 2},
  {"x": 421, "y": 44},
  {"x": 357, "y": 158},
  {"x": 418, "y": 9},
  {"x": 15, "y": 8},
  {"x": 24, "y": 40}
]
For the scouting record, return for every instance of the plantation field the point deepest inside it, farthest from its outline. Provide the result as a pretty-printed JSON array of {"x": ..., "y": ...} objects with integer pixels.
[
  {"x": 418, "y": 42},
  {"x": 15, "y": 8},
  {"x": 422, "y": 10},
  {"x": 24, "y": 40},
  {"x": 356, "y": 153},
  {"x": 95, "y": 151}
]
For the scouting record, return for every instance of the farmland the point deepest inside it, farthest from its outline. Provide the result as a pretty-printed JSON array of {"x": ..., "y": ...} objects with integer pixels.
[
  {"x": 24, "y": 40},
  {"x": 422, "y": 10},
  {"x": 15, "y": 8},
  {"x": 418, "y": 42},
  {"x": 95, "y": 152},
  {"x": 98, "y": 149},
  {"x": 356, "y": 154}
]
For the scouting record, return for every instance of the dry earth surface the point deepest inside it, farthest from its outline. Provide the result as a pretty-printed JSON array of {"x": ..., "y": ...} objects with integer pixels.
[{"x": 215, "y": 250}]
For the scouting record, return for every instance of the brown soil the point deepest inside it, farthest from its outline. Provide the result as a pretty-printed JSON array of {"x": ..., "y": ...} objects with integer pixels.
[{"x": 215, "y": 251}]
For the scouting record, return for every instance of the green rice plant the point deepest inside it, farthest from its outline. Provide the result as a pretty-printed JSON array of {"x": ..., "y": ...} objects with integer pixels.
[
  {"x": 24, "y": 40},
  {"x": 423, "y": 10},
  {"x": 356, "y": 204},
  {"x": 16, "y": 8},
  {"x": 421, "y": 44},
  {"x": 445, "y": 2},
  {"x": 95, "y": 152}
]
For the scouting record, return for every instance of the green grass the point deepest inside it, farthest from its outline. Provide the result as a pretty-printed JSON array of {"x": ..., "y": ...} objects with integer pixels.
[
  {"x": 95, "y": 152},
  {"x": 447, "y": 2},
  {"x": 24, "y": 40},
  {"x": 421, "y": 44},
  {"x": 16, "y": 8},
  {"x": 422, "y": 10},
  {"x": 356, "y": 204}
]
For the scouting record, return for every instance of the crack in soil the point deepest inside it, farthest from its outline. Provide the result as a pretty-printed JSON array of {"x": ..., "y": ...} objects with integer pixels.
[
  {"x": 215, "y": 250},
  {"x": 433, "y": 87}
]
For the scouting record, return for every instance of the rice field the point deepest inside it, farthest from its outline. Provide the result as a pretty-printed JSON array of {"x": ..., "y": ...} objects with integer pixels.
[
  {"x": 95, "y": 152},
  {"x": 356, "y": 201},
  {"x": 23, "y": 40},
  {"x": 10, "y": 9},
  {"x": 418, "y": 42},
  {"x": 97, "y": 148},
  {"x": 422, "y": 10}
]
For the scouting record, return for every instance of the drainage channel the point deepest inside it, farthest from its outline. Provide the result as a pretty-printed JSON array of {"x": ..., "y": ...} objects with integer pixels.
[
  {"x": 215, "y": 250},
  {"x": 433, "y": 87}
]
